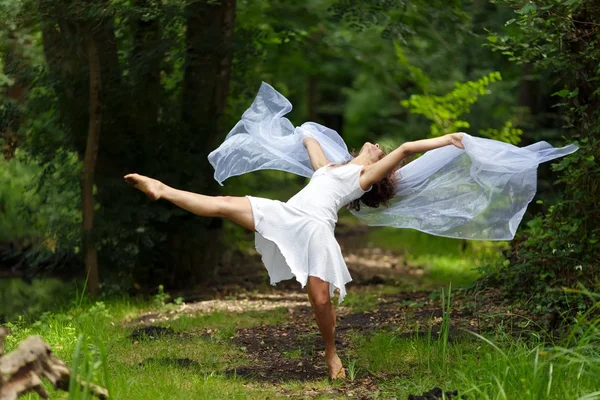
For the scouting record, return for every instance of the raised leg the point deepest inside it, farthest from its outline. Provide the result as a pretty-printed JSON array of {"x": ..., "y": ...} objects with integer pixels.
[
  {"x": 237, "y": 209},
  {"x": 318, "y": 294}
]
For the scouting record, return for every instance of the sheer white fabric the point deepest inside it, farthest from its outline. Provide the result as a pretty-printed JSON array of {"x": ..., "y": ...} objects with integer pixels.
[
  {"x": 480, "y": 192},
  {"x": 265, "y": 139}
]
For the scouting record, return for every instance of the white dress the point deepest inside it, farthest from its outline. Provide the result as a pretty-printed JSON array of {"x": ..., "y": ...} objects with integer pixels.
[{"x": 296, "y": 238}]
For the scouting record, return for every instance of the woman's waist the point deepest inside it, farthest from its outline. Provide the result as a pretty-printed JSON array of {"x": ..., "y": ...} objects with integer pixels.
[{"x": 315, "y": 211}]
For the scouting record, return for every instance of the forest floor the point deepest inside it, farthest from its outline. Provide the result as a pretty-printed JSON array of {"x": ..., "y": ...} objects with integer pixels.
[
  {"x": 275, "y": 332},
  {"x": 400, "y": 334}
]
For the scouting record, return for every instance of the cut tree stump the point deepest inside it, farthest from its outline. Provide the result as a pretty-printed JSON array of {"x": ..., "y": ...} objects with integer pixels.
[{"x": 21, "y": 370}]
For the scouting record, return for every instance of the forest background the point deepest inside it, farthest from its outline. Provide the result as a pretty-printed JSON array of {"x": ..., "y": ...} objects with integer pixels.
[{"x": 92, "y": 90}]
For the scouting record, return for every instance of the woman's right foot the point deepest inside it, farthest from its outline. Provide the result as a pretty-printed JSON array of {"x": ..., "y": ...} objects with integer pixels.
[
  {"x": 151, "y": 187},
  {"x": 336, "y": 369}
]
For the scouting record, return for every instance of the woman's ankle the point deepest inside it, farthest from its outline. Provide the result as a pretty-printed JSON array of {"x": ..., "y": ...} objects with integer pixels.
[{"x": 330, "y": 353}]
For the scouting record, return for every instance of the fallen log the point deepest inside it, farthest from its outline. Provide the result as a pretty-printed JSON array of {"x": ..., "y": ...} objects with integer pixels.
[{"x": 21, "y": 370}]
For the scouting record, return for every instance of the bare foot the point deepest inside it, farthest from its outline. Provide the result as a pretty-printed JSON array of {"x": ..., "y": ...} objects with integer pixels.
[
  {"x": 150, "y": 186},
  {"x": 336, "y": 369}
]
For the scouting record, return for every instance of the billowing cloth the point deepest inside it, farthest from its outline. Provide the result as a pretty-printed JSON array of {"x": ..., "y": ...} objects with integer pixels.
[
  {"x": 480, "y": 192},
  {"x": 265, "y": 139}
]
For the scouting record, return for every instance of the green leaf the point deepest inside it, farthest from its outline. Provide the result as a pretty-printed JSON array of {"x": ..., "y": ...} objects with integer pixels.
[
  {"x": 527, "y": 9},
  {"x": 574, "y": 93},
  {"x": 562, "y": 93},
  {"x": 492, "y": 38}
]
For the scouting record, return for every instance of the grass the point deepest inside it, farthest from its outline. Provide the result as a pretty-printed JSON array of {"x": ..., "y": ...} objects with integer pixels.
[
  {"x": 189, "y": 365},
  {"x": 192, "y": 364},
  {"x": 498, "y": 368},
  {"x": 445, "y": 260},
  {"x": 90, "y": 337},
  {"x": 495, "y": 366},
  {"x": 361, "y": 300}
]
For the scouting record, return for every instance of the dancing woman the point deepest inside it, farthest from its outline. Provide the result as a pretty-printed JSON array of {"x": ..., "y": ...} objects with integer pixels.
[
  {"x": 462, "y": 187},
  {"x": 302, "y": 229}
]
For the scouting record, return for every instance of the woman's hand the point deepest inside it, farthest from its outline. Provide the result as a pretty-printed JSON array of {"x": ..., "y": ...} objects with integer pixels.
[{"x": 456, "y": 139}]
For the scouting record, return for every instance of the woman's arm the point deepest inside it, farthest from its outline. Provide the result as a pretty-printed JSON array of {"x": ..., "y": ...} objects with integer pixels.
[
  {"x": 317, "y": 157},
  {"x": 376, "y": 172}
]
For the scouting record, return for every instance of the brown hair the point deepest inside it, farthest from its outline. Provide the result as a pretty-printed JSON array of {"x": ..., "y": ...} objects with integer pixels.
[{"x": 380, "y": 194}]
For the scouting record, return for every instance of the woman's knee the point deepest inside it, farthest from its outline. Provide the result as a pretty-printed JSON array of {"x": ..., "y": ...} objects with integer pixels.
[
  {"x": 236, "y": 209},
  {"x": 318, "y": 292},
  {"x": 321, "y": 300}
]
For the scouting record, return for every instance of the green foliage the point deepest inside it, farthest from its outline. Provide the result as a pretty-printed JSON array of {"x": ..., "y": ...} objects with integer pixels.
[
  {"x": 508, "y": 133},
  {"x": 445, "y": 111},
  {"x": 17, "y": 34},
  {"x": 88, "y": 363},
  {"x": 28, "y": 300},
  {"x": 40, "y": 204},
  {"x": 559, "y": 249},
  {"x": 443, "y": 259},
  {"x": 160, "y": 298},
  {"x": 400, "y": 19},
  {"x": 339, "y": 62}
]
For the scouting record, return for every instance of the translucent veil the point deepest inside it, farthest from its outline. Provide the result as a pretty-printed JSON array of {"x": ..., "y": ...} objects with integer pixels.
[{"x": 480, "y": 192}]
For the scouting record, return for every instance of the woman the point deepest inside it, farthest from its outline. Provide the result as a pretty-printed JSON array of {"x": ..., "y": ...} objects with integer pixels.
[{"x": 296, "y": 238}]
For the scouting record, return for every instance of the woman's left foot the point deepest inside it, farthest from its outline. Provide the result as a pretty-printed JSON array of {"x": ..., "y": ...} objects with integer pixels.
[{"x": 151, "y": 187}]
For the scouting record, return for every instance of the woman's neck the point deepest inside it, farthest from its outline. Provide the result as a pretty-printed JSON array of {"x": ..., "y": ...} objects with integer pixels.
[{"x": 360, "y": 160}]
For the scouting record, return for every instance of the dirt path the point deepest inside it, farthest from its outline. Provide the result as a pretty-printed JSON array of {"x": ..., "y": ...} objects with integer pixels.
[{"x": 293, "y": 350}]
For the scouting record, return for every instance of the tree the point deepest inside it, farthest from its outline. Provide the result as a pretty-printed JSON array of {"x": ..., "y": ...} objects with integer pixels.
[
  {"x": 89, "y": 162},
  {"x": 559, "y": 249}
]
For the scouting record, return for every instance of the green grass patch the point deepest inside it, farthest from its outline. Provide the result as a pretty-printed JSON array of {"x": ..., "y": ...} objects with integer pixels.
[
  {"x": 497, "y": 366},
  {"x": 367, "y": 299},
  {"x": 185, "y": 365},
  {"x": 445, "y": 260},
  {"x": 293, "y": 354}
]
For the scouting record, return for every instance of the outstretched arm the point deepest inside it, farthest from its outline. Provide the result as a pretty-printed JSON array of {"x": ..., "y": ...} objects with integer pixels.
[
  {"x": 376, "y": 172},
  {"x": 317, "y": 157}
]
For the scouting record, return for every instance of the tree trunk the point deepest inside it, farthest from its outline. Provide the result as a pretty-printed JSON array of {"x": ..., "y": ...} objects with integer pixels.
[
  {"x": 145, "y": 69},
  {"x": 208, "y": 62},
  {"x": 89, "y": 165},
  {"x": 193, "y": 244},
  {"x": 528, "y": 94},
  {"x": 16, "y": 93}
]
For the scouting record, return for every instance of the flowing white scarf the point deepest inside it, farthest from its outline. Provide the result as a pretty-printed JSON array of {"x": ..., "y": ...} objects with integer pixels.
[{"x": 480, "y": 192}]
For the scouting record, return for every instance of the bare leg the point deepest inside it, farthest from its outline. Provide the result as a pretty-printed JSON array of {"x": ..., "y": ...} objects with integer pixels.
[
  {"x": 318, "y": 294},
  {"x": 237, "y": 209}
]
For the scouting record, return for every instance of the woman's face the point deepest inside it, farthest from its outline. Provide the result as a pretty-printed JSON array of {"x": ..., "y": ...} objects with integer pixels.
[{"x": 372, "y": 152}]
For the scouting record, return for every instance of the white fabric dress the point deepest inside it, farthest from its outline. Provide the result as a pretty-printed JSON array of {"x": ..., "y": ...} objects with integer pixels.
[{"x": 296, "y": 238}]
